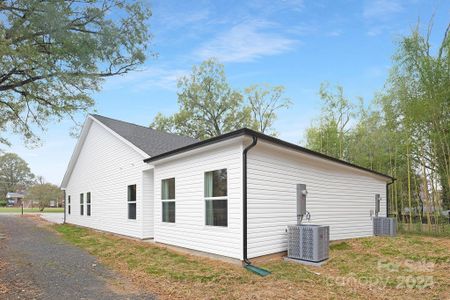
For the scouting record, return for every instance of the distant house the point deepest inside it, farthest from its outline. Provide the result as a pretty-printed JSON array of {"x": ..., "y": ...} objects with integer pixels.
[
  {"x": 232, "y": 195},
  {"x": 14, "y": 199}
]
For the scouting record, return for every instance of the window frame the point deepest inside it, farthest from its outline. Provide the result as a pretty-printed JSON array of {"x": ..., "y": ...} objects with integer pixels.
[
  {"x": 205, "y": 199},
  {"x": 132, "y": 202},
  {"x": 81, "y": 204},
  {"x": 168, "y": 200},
  {"x": 88, "y": 204},
  {"x": 68, "y": 204}
]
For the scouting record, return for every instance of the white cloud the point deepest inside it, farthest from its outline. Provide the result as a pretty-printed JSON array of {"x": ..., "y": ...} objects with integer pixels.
[
  {"x": 175, "y": 20},
  {"x": 270, "y": 7},
  {"x": 381, "y": 9},
  {"x": 335, "y": 33},
  {"x": 378, "y": 15},
  {"x": 148, "y": 78},
  {"x": 296, "y": 5},
  {"x": 245, "y": 42},
  {"x": 303, "y": 29}
]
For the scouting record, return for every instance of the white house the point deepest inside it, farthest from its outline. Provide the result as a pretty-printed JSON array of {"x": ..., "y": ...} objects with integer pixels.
[{"x": 232, "y": 195}]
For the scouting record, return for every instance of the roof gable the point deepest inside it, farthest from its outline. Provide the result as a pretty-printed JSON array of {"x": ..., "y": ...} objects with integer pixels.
[
  {"x": 146, "y": 141},
  {"x": 152, "y": 142}
]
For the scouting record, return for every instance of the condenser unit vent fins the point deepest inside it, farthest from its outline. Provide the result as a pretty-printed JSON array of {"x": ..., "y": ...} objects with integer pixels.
[
  {"x": 308, "y": 242},
  {"x": 384, "y": 226}
]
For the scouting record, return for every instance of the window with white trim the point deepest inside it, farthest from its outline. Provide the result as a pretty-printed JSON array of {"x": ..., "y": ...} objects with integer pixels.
[
  {"x": 81, "y": 204},
  {"x": 68, "y": 204},
  {"x": 168, "y": 200},
  {"x": 88, "y": 203},
  {"x": 216, "y": 198},
  {"x": 132, "y": 202}
]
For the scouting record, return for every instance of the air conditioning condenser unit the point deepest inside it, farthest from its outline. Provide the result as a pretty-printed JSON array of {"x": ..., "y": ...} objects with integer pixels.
[{"x": 308, "y": 242}]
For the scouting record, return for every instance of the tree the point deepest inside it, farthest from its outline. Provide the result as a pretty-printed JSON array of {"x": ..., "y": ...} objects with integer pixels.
[
  {"x": 265, "y": 101},
  {"x": 330, "y": 135},
  {"x": 14, "y": 174},
  {"x": 55, "y": 53},
  {"x": 407, "y": 135},
  {"x": 43, "y": 193},
  {"x": 418, "y": 95},
  {"x": 209, "y": 106}
]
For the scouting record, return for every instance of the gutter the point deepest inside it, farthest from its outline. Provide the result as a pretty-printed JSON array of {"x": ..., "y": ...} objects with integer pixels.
[{"x": 264, "y": 137}]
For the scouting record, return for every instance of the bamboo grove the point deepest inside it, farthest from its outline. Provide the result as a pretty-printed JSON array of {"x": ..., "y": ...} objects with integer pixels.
[{"x": 403, "y": 132}]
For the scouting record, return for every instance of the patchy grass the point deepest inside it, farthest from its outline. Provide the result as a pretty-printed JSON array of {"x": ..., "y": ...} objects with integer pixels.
[
  {"x": 31, "y": 210},
  {"x": 370, "y": 268},
  {"x": 340, "y": 246}
]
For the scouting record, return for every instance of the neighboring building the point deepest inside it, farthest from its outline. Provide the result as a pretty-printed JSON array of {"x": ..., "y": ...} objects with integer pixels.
[
  {"x": 148, "y": 184},
  {"x": 14, "y": 199},
  {"x": 17, "y": 199}
]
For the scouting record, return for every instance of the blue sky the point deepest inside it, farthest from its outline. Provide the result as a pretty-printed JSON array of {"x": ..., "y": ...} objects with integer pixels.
[{"x": 294, "y": 43}]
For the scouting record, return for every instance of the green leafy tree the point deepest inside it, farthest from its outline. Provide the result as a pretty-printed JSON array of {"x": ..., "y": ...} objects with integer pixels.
[
  {"x": 43, "y": 193},
  {"x": 407, "y": 135},
  {"x": 209, "y": 106},
  {"x": 418, "y": 95},
  {"x": 14, "y": 174},
  {"x": 265, "y": 101},
  {"x": 53, "y": 54},
  {"x": 330, "y": 135}
]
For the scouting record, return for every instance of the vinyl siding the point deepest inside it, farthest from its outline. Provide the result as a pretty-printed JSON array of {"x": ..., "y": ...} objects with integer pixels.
[
  {"x": 147, "y": 204},
  {"x": 338, "y": 196},
  {"x": 105, "y": 167},
  {"x": 189, "y": 230}
]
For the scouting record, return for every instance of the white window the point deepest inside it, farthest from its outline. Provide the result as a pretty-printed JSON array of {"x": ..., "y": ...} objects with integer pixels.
[
  {"x": 168, "y": 200},
  {"x": 216, "y": 200},
  {"x": 68, "y": 204},
  {"x": 132, "y": 202},
  {"x": 81, "y": 204},
  {"x": 88, "y": 203}
]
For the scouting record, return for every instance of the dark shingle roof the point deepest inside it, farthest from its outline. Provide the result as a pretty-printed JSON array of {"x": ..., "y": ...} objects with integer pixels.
[{"x": 151, "y": 141}]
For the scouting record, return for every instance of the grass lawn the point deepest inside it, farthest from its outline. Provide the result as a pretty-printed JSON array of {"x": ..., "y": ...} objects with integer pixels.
[
  {"x": 30, "y": 210},
  {"x": 408, "y": 266}
]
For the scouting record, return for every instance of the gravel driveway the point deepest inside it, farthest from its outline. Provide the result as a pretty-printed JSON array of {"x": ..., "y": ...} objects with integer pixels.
[{"x": 36, "y": 264}]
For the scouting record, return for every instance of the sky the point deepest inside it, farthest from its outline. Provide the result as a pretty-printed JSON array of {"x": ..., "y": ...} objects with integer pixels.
[{"x": 294, "y": 43}]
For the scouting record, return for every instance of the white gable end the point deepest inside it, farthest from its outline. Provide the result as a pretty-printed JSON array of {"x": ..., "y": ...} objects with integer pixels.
[
  {"x": 104, "y": 167},
  {"x": 84, "y": 132}
]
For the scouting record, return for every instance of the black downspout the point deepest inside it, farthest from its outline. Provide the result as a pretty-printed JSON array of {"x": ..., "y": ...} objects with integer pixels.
[{"x": 244, "y": 196}]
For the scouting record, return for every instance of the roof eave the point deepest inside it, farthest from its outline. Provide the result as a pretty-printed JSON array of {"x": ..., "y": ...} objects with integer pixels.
[
  {"x": 200, "y": 144},
  {"x": 270, "y": 139}
]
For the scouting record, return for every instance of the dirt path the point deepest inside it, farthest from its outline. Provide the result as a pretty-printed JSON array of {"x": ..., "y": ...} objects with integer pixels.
[{"x": 36, "y": 264}]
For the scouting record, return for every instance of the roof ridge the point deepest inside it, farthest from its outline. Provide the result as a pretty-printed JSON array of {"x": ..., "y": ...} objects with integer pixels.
[
  {"x": 97, "y": 115},
  {"x": 145, "y": 127}
]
